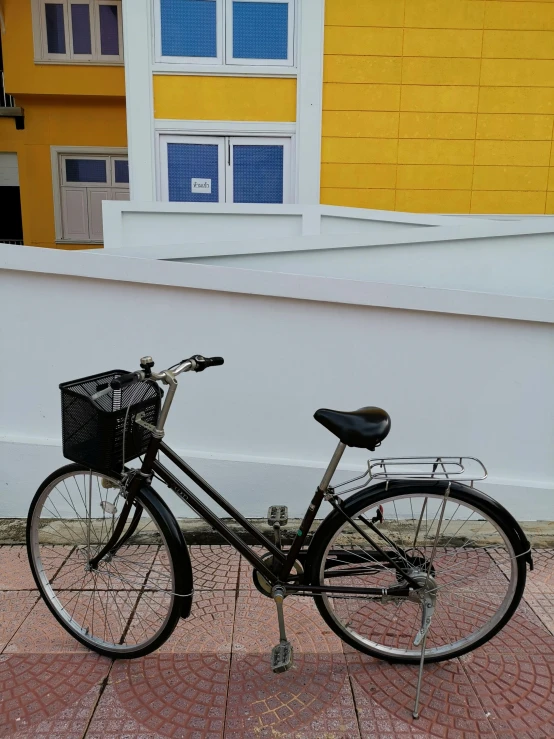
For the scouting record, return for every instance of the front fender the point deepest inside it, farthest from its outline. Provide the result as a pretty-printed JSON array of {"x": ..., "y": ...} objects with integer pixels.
[{"x": 184, "y": 581}]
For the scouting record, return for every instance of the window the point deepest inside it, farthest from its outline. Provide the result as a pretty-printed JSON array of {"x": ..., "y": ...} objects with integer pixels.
[
  {"x": 226, "y": 32},
  {"x": 84, "y": 181},
  {"x": 85, "y": 31},
  {"x": 226, "y": 169}
]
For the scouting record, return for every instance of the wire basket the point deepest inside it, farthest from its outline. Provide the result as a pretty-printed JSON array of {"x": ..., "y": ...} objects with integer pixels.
[{"x": 93, "y": 430}]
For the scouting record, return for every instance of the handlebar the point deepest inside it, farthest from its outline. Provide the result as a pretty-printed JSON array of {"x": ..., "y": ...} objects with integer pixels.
[{"x": 197, "y": 363}]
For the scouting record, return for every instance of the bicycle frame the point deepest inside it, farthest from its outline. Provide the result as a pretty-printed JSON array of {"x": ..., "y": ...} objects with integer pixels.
[{"x": 283, "y": 561}]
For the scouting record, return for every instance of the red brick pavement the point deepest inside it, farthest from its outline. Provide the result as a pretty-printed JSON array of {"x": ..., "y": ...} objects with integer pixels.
[{"x": 211, "y": 679}]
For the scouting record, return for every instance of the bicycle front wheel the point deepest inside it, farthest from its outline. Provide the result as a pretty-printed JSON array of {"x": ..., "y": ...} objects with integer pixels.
[
  {"x": 127, "y": 606},
  {"x": 458, "y": 549}
]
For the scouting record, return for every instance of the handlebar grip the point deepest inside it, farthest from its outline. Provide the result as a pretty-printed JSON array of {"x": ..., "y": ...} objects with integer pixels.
[
  {"x": 203, "y": 363},
  {"x": 118, "y": 382}
]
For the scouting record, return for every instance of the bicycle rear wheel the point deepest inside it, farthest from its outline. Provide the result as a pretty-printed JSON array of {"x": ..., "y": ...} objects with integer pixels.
[
  {"x": 127, "y": 606},
  {"x": 475, "y": 579}
]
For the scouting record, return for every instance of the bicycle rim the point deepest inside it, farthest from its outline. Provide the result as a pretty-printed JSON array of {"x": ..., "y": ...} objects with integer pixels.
[
  {"x": 126, "y": 605},
  {"x": 456, "y": 550}
]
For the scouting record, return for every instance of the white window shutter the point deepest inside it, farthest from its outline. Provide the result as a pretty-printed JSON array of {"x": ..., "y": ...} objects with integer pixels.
[
  {"x": 120, "y": 195},
  {"x": 95, "y": 197},
  {"x": 75, "y": 213}
]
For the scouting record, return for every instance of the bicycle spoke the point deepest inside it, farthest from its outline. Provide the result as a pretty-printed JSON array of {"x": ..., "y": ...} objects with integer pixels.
[
  {"x": 125, "y": 602},
  {"x": 438, "y": 540}
]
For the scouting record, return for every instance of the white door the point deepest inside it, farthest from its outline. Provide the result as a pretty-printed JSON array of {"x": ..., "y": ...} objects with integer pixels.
[
  {"x": 75, "y": 213},
  {"x": 95, "y": 198}
]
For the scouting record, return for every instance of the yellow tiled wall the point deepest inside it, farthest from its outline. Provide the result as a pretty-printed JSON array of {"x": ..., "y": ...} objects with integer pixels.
[{"x": 439, "y": 105}]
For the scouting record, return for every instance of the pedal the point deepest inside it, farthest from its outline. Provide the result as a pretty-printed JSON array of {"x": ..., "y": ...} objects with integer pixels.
[
  {"x": 278, "y": 514},
  {"x": 282, "y": 657}
]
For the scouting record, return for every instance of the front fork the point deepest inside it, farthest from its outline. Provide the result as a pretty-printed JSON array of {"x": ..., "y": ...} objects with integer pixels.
[{"x": 115, "y": 542}]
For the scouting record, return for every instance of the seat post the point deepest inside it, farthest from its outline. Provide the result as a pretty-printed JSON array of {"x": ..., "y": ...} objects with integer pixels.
[{"x": 333, "y": 464}]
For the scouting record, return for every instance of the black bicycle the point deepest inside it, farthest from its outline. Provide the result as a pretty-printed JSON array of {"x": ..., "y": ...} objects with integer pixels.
[{"x": 418, "y": 566}]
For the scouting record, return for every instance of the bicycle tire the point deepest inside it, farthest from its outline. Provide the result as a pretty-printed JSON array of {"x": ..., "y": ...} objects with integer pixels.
[
  {"x": 321, "y": 555},
  {"x": 177, "y": 569}
]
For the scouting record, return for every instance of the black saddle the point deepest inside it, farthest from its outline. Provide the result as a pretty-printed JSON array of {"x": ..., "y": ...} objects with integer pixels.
[{"x": 365, "y": 428}]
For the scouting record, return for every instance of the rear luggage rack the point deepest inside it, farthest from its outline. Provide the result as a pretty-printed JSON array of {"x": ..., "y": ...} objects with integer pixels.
[{"x": 461, "y": 469}]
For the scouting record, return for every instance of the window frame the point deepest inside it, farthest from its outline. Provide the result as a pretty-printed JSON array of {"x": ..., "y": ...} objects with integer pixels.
[
  {"x": 215, "y": 61},
  {"x": 58, "y": 155},
  {"x": 231, "y": 60},
  {"x": 43, "y": 56},
  {"x": 224, "y": 62},
  {"x": 226, "y": 138},
  {"x": 166, "y": 139},
  {"x": 284, "y": 141}
]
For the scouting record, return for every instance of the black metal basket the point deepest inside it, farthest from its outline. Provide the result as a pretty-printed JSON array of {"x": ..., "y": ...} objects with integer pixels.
[{"x": 93, "y": 430}]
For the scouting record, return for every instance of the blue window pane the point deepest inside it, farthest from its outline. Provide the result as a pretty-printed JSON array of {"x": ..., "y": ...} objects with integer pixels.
[
  {"x": 55, "y": 33},
  {"x": 121, "y": 170},
  {"x": 257, "y": 174},
  {"x": 260, "y": 30},
  {"x": 85, "y": 170},
  {"x": 80, "y": 27},
  {"x": 109, "y": 30},
  {"x": 189, "y": 28},
  {"x": 193, "y": 172}
]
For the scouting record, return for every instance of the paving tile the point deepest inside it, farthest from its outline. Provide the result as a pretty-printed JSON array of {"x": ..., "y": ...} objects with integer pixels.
[
  {"x": 41, "y": 633},
  {"x": 523, "y": 634},
  {"x": 49, "y": 695},
  {"x": 257, "y": 630},
  {"x": 246, "y": 580},
  {"x": 129, "y": 569},
  {"x": 385, "y": 693},
  {"x": 542, "y": 577},
  {"x": 208, "y": 629},
  {"x": 543, "y": 606},
  {"x": 311, "y": 700},
  {"x": 164, "y": 695},
  {"x": 517, "y": 691},
  {"x": 15, "y": 573},
  {"x": 14, "y": 608},
  {"x": 53, "y": 560},
  {"x": 215, "y": 567},
  {"x": 539, "y": 590}
]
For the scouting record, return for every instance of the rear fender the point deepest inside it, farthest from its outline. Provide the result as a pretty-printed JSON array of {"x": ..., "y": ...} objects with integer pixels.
[{"x": 375, "y": 492}]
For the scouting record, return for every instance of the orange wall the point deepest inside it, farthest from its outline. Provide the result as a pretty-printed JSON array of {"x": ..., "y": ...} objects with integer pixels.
[
  {"x": 22, "y": 75},
  {"x": 54, "y": 121}
]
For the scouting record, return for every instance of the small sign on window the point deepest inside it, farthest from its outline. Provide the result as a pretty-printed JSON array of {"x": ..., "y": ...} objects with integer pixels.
[{"x": 199, "y": 185}]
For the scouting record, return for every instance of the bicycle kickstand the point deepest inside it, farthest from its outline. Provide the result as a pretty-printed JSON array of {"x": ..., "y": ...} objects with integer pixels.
[
  {"x": 415, "y": 712},
  {"x": 282, "y": 654},
  {"x": 428, "y": 608}
]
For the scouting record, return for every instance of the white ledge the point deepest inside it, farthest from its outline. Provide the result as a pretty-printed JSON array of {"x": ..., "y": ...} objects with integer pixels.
[{"x": 95, "y": 265}]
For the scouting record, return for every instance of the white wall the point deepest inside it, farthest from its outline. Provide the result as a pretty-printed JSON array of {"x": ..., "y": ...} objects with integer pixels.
[
  {"x": 128, "y": 226},
  {"x": 459, "y": 372},
  {"x": 508, "y": 265}
]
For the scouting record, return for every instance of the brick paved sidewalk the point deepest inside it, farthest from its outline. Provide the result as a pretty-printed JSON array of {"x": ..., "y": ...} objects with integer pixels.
[{"x": 212, "y": 678}]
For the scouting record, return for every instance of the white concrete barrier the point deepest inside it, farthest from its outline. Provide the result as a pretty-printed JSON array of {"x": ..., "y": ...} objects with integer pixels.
[{"x": 460, "y": 372}]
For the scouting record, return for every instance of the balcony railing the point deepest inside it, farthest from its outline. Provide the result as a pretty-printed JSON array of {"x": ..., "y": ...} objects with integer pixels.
[{"x": 6, "y": 101}]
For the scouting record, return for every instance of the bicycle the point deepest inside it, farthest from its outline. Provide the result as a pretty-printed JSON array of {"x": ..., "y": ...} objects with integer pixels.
[{"x": 417, "y": 567}]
